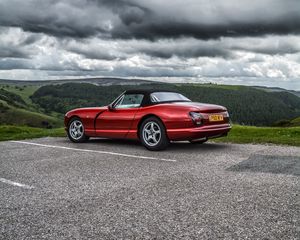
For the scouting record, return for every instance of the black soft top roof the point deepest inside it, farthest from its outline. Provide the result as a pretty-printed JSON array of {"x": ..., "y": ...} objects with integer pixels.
[{"x": 146, "y": 92}]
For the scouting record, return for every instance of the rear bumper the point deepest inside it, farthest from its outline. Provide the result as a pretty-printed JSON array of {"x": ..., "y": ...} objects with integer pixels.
[{"x": 208, "y": 131}]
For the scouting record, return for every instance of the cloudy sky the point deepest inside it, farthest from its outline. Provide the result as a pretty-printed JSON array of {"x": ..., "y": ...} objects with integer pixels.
[{"x": 252, "y": 42}]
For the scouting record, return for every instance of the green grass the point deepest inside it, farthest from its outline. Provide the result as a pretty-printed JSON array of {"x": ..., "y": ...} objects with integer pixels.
[
  {"x": 18, "y": 116},
  {"x": 295, "y": 122},
  {"x": 23, "y": 132},
  {"x": 28, "y": 114},
  {"x": 288, "y": 123},
  {"x": 23, "y": 91},
  {"x": 257, "y": 135},
  {"x": 238, "y": 134}
]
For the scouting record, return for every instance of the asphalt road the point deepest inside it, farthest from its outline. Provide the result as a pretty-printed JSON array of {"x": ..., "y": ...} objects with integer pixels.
[{"x": 53, "y": 189}]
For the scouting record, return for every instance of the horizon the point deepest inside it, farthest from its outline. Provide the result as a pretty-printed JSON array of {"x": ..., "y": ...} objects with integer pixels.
[
  {"x": 148, "y": 80},
  {"x": 252, "y": 43}
]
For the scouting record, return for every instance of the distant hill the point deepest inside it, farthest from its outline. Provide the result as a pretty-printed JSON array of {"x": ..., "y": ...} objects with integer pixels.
[
  {"x": 95, "y": 81},
  {"x": 277, "y": 89},
  {"x": 288, "y": 123},
  {"x": 247, "y": 105},
  {"x": 43, "y": 103},
  {"x": 16, "y": 110},
  {"x": 17, "y": 116}
]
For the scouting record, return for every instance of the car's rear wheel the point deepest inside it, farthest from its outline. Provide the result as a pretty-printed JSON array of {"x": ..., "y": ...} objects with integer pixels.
[
  {"x": 76, "y": 131},
  {"x": 199, "y": 141},
  {"x": 153, "y": 134}
]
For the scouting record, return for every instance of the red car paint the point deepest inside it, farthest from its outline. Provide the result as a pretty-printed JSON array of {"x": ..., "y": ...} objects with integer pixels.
[{"x": 124, "y": 123}]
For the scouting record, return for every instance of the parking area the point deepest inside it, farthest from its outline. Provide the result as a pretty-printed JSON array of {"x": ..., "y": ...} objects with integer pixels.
[{"x": 108, "y": 189}]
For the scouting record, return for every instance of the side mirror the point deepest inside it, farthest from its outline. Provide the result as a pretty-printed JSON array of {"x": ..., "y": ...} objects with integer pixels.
[{"x": 110, "y": 107}]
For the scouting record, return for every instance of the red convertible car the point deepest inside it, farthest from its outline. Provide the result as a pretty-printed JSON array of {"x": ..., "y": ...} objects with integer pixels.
[{"x": 154, "y": 117}]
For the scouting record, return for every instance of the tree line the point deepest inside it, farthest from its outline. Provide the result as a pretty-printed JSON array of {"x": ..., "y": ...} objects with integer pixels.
[{"x": 246, "y": 105}]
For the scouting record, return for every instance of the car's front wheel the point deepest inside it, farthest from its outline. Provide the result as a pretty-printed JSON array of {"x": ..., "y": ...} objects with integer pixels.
[
  {"x": 76, "y": 131},
  {"x": 153, "y": 134}
]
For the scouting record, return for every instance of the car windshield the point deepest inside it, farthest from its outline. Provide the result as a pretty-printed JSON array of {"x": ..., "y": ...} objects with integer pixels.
[
  {"x": 130, "y": 101},
  {"x": 168, "y": 97}
]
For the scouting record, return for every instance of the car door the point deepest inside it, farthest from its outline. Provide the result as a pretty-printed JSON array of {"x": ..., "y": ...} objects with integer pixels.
[{"x": 116, "y": 122}]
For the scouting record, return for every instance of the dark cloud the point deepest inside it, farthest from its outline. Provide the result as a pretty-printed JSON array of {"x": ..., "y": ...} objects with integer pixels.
[
  {"x": 7, "y": 52},
  {"x": 31, "y": 39},
  {"x": 278, "y": 49},
  {"x": 131, "y": 15},
  {"x": 150, "y": 20},
  {"x": 14, "y": 44},
  {"x": 164, "y": 29},
  {"x": 183, "y": 49},
  {"x": 77, "y": 18},
  {"x": 100, "y": 54},
  {"x": 127, "y": 11},
  {"x": 9, "y": 64}
]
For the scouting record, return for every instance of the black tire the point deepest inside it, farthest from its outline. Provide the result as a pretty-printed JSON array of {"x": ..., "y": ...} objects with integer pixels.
[
  {"x": 161, "y": 142},
  {"x": 80, "y": 137},
  {"x": 198, "y": 141}
]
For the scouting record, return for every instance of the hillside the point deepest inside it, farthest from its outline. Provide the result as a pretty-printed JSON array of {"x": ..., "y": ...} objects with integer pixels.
[
  {"x": 16, "y": 116},
  {"x": 18, "y": 109},
  {"x": 38, "y": 105},
  {"x": 288, "y": 123},
  {"x": 247, "y": 105},
  {"x": 276, "y": 89}
]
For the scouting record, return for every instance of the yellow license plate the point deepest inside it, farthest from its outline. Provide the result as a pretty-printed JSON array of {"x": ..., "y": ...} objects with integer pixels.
[{"x": 216, "y": 118}]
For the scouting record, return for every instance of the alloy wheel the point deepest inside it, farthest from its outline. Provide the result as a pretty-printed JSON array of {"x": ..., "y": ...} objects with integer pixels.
[
  {"x": 151, "y": 133},
  {"x": 76, "y": 130}
]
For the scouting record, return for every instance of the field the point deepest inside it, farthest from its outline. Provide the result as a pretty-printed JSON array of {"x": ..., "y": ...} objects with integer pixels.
[
  {"x": 23, "y": 91},
  {"x": 239, "y": 134},
  {"x": 17, "y": 108},
  {"x": 255, "y": 135},
  {"x": 23, "y": 132},
  {"x": 21, "y": 116}
]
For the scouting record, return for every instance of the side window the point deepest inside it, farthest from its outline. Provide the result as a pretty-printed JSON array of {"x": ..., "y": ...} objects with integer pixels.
[{"x": 130, "y": 101}]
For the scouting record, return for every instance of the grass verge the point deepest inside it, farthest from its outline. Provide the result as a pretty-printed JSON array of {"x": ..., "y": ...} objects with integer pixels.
[
  {"x": 22, "y": 117},
  {"x": 8, "y": 132},
  {"x": 238, "y": 134},
  {"x": 274, "y": 135}
]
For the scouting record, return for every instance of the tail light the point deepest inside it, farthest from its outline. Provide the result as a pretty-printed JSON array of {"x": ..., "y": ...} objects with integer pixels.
[{"x": 196, "y": 117}]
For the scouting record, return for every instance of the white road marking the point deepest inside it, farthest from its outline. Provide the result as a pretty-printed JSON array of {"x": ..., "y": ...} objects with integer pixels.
[
  {"x": 15, "y": 183},
  {"x": 96, "y": 151}
]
